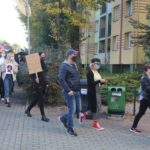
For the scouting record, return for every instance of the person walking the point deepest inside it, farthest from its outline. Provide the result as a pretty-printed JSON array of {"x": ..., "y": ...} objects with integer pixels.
[
  {"x": 2, "y": 59},
  {"x": 39, "y": 84},
  {"x": 8, "y": 69},
  {"x": 144, "y": 98},
  {"x": 94, "y": 80},
  {"x": 70, "y": 81}
]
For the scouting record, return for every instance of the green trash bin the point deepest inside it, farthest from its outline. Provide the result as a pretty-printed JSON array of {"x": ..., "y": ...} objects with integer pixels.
[{"x": 116, "y": 100}]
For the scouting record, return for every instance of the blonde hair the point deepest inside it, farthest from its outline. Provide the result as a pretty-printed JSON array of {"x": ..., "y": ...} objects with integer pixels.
[
  {"x": 9, "y": 55},
  {"x": 92, "y": 66}
]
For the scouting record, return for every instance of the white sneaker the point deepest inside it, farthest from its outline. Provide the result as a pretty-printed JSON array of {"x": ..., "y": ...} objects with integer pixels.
[
  {"x": 2, "y": 99},
  {"x": 82, "y": 116}
]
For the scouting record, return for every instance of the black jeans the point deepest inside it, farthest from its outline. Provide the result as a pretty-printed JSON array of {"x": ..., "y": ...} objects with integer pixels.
[
  {"x": 1, "y": 88},
  {"x": 38, "y": 99},
  {"x": 144, "y": 104}
]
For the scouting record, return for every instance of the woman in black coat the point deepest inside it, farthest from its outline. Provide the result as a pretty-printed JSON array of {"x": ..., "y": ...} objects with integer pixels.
[{"x": 94, "y": 80}]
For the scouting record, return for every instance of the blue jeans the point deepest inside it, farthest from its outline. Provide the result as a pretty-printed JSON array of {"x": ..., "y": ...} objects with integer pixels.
[
  {"x": 8, "y": 84},
  {"x": 74, "y": 105}
]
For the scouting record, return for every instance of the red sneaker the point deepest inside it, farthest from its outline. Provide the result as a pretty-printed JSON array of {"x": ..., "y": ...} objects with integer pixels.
[
  {"x": 82, "y": 116},
  {"x": 97, "y": 126},
  {"x": 135, "y": 130}
]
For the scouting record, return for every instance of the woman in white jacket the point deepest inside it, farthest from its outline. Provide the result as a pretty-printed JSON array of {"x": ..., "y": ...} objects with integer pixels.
[{"x": 9, "y": 69}]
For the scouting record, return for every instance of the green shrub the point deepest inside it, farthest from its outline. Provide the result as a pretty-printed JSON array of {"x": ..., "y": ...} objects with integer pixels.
[{"x": 130, "y": 80}]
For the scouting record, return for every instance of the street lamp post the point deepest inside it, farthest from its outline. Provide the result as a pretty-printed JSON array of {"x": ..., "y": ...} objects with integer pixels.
[{"x": 28, "y": 24}]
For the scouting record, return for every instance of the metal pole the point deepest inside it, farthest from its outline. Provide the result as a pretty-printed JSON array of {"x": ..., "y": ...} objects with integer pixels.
[
  {"x": 121, "y": 32},
  {"x": 28, "y": 23}
]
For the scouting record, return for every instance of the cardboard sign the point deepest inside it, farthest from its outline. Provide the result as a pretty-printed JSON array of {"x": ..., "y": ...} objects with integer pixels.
[{"x": 33, "y": 63}]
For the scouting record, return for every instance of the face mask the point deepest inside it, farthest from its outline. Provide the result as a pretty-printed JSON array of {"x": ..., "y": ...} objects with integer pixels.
[
  {"x": 43, "y": 58},
  {"x": 12, "y": 58},
  {"x": 74, "y": 59},
  {"x": 97, "y": 66}
]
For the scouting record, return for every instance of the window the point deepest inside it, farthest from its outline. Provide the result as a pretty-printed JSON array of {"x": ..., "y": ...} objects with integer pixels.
[
  {"x": 116, "y": 13},
  {"x": 109, "y": 24},
  {"x": 96, "y": 48},
  {"x": 128, "y": 40},
  {"x": 102, "y": 46},
  {"x": 96, "y": 26},
  {"x": 103, "y": 9},
  {"x": 115, "y": 42},
  {"x": 102, "y": 26},
  {"x": 109, "y": 45},
  {"x": 128, "y": 7}
]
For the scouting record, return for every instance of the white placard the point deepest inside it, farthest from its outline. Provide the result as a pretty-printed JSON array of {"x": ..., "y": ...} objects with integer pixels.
[{"x": 84, "y": 91}]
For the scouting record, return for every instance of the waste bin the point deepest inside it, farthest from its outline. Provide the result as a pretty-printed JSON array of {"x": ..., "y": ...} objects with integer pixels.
[
  {"x": 83, "y": 91},
  {"x": 116, "y": 100},
  {"x": 84, "y": 97}
]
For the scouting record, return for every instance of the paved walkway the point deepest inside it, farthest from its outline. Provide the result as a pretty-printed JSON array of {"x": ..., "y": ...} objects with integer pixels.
[{"x": 18, "y": 132}]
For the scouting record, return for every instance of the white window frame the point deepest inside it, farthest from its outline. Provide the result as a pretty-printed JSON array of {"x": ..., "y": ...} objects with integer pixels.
[
  {"x": 128, "y": 40},
  {"x": 129, "y": 7},
  {"x": 115, "y": 42},
  {"x": 96, "y": 25},
  {"x": 116, "y": 12}
]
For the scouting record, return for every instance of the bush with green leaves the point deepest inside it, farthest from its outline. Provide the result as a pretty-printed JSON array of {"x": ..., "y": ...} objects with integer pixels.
[{"x": 130, "y": 80}]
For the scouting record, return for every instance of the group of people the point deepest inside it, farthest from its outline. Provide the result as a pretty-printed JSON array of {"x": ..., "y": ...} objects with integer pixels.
[
  {"x": 70, "y": 82},
  {"x": 69, "y": 77},
  {"x": 8, "y": 71}
]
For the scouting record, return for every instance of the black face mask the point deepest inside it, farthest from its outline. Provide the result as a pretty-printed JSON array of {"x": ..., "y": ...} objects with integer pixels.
[
  {"x": 74, "y": 59},
  {"x": 43, "y": 58}
]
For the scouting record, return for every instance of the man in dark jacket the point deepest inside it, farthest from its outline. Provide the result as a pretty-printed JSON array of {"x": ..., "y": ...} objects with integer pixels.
[
  {"x": 70, "y": 81},
  {"x": 144, "y": 98},
  {"x": 39, "y": 84}
]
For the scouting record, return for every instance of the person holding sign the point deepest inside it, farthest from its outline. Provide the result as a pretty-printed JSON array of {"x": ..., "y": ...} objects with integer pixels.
[
  {"x": 39, "y": 86},
  {"x": 95, "y": 81},
  {"x": 9, "y": 69}
]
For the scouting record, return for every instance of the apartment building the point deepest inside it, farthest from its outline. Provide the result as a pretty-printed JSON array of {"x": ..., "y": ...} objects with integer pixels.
[
  {"x": 109, "y": 35},
  {"x": 103, "y": 33},
  {"x": 124, "y": 55},
  {"x": 87, "y": 45}
]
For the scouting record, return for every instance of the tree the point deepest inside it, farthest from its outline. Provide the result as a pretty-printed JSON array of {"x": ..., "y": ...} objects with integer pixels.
[
  {"x": 143, "y": 37},
  {"x": 58, "y": 21}
]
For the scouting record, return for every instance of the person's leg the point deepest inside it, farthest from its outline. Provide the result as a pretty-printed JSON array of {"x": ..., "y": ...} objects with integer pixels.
[
  {"x": 142, "y": 110},
  {"x": 40, "y": 98},
  {"x": 11, "y": 84},
  {"x": 31, "y": 105},
  {"x": 78, "y": 103},
  {"x": 7, "y": 90},
  {"x": 2, "y": 89},
  {"x": 68, "y": 117}
]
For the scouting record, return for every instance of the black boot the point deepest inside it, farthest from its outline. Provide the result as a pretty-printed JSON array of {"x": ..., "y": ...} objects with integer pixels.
[
  {"x": 28, "y": 113},
  {"x": 44, "y": 118},
  {"x": 8, "y": 104}
]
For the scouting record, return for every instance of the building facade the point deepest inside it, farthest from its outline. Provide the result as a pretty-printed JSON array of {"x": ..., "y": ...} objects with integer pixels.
[
  {"x": 123, "y": 53},
  {"x": 103, "y": 33},
  {"x": 87, "y": 45},
  {"x": 108, "y": 36}
]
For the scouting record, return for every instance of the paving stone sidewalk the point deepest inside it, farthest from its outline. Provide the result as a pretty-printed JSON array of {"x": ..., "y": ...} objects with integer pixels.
[{"x": 18, "y": 132}]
